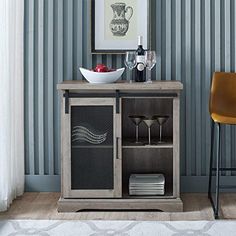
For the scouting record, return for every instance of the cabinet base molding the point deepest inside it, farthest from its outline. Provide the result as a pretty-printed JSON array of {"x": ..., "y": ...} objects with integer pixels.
[{"x": 74, "y": 205}]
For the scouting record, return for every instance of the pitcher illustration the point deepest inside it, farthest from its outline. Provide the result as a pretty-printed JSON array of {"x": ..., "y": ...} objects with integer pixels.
[{"x": 120, "y": 22}]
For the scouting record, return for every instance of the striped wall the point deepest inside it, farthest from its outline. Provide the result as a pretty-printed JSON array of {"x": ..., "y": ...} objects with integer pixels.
[{"x": 192, "y": 38}]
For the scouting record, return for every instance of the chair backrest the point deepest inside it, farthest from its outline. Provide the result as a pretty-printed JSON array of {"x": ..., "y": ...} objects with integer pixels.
[{"x": 223, "y": 94}]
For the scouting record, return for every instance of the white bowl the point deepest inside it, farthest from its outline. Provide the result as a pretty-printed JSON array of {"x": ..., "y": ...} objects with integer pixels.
[{"x": 101, "y": 77}]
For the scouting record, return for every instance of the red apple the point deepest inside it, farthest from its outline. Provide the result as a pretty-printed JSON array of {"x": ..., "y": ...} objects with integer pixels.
[{"x": 101, "y": 68}]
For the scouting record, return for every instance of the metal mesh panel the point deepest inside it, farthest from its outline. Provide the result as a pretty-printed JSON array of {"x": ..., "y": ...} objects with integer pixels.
[
  {"x": 92, "y": 168},
  {"x": 92, "y": 147},
  {"x": 92, "y": 125}
]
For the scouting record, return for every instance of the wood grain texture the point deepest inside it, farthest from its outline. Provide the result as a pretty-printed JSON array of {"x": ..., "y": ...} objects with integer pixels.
[
  {"x": 74, "y": 205},
  {"x": 118, "y": 152},
  {"x": 164, "y": 161},
  {"x": 176, "y": 147},
  {"x": 66, "y": 151},
  {"x": 122, "y": 85},
  {"x": 44, "y": 206}
]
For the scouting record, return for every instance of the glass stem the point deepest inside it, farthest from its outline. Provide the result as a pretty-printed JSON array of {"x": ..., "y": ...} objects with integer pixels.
[
  {"x": 136, "y": 133},
  {"x": 160, "y": 132},
  {"x": 130, "y": 75},
  {"x": 149, "y": 75},
  {"x": 149, "y": 135}
]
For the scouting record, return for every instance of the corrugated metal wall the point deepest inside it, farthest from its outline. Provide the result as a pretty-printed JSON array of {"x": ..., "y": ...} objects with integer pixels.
[{"x": 192, "y": 38}]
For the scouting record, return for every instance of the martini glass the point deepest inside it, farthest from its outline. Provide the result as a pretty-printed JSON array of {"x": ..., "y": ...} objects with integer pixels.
[
  {"x": 149, "y": 122},
  {"x": 161, "y": 120},
  {"x": 137, "y": 120}
]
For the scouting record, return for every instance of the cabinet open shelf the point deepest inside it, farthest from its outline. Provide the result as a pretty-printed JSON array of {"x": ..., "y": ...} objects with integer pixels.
[
  {"x": 143, "y": 158},
  {"x": 168, "y": 194},
  {"x": 130, "y": 143},
  {"x": 156, "y": 161},
  {"x": 147, "y": 107}
]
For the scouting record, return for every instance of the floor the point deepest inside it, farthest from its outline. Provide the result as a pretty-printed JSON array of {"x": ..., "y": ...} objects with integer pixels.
[{"x": 44, "y": 206}]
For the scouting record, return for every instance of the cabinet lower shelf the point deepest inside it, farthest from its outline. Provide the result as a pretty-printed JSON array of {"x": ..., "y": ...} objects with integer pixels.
[
  {"x": 75, "y": 205},
  {"x": 168, "y": 195}
]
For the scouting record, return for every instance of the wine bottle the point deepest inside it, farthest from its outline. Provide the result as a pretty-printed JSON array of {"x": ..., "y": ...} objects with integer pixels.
[{"x": 140, "y": 68}]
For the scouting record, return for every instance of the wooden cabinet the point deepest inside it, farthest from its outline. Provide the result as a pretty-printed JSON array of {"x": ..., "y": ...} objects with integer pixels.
[{"x": 98, "y": 151}]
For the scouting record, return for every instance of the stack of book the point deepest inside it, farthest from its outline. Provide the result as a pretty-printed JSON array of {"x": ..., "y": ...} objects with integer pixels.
[{"x": 147, "y": 184}]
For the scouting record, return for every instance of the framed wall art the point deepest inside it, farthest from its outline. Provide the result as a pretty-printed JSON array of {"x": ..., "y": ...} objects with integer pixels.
[{"x": 116, "y": 25}]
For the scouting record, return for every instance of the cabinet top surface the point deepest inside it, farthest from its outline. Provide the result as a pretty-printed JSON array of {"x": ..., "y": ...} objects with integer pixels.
[{"x": 155, "y": 85}]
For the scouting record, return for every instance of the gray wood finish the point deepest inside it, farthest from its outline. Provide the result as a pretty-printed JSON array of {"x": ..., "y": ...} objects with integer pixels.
[
  {"x": 156, "y": 86},
  {"x": 192, "y": 38},
  {"x": 74, "y": 205},
  {"x": 67, "y": 191},
  {"x": 129, "y": 160}
]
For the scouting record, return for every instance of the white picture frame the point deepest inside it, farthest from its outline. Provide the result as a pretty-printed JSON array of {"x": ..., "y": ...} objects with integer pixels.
[{"x": 116, "y": 25}]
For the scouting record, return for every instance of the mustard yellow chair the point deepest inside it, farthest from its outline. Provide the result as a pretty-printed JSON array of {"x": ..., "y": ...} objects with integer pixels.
[{"x": 222, "y": 107}]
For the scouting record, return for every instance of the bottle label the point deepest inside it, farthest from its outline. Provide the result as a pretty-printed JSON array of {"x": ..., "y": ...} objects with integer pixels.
[
  {"x": 140, "y": 59},
  {"x": 140, "y": 62},
  {"x": 140, "y": 67}
]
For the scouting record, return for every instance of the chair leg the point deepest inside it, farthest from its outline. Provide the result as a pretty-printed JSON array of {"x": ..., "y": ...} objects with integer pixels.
[
  {"x": 218, "y": 163},
  {"x": 211, "y": 157}
]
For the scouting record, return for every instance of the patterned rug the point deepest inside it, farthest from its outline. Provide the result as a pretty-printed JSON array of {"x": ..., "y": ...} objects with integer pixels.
[{"x": 116, "y": 228}]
